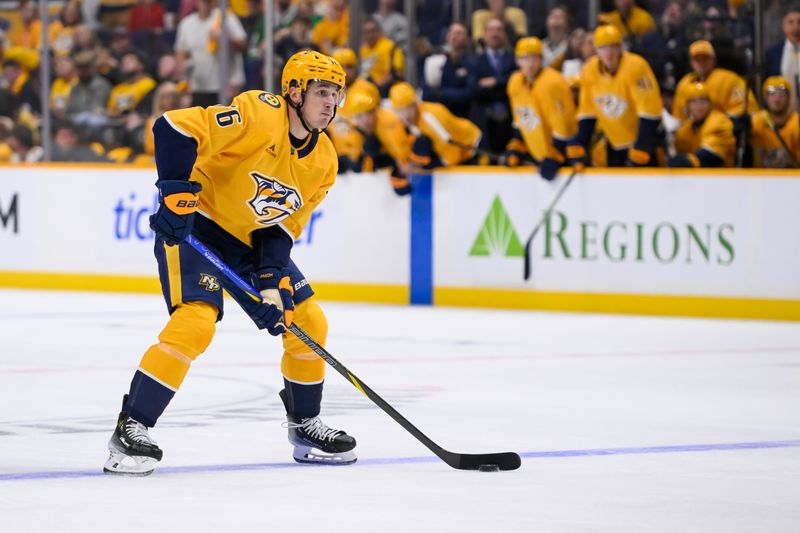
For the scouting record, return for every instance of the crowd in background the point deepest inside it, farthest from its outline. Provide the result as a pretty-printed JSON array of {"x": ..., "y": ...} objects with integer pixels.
[{"x": 119, "y": 64}]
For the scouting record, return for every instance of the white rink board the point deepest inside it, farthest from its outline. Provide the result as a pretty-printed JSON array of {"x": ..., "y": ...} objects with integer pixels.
[
  {"x": 650, "y": 234},
  {"x": 94, "y": 220}
]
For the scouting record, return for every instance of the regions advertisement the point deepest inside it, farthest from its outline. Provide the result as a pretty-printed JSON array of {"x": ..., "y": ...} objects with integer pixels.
[{"x": 619, "y": 233}]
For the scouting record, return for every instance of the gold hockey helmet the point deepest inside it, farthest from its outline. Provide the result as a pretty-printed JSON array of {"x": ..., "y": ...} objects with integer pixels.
[
  {"x": 307, "y": 66},
  {"x": 402, "y": 95},
  {"x": 346, "y": 57},
  {"x": 528, "y": 46},
  {"x": 607, "y": 35}
]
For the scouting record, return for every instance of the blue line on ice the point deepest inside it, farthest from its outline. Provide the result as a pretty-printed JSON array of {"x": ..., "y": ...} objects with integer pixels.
[{"x": 685, "y": 448}]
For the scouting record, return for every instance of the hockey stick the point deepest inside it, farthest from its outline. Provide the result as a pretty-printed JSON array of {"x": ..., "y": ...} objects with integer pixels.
[
  {"x": 460, "y": 461},
  {"x": 545, "y": 216}
]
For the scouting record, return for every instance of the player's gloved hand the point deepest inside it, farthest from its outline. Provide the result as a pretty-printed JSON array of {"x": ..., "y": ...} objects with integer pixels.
[
  {"x": 548, "y": 168},
  {"x": 275, "y": 313},
  {"x": 637, "y": 158},
  {"x": 683, "y": 161},
  {"x": 401, "y": 185},
  {"x": 175, "y": 215},
  {"x": 576, "y": 156}
]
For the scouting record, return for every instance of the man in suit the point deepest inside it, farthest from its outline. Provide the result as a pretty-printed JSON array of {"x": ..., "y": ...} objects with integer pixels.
[
  {"x": 783, "y": 59},
  {"x": 493, "y": 68}
]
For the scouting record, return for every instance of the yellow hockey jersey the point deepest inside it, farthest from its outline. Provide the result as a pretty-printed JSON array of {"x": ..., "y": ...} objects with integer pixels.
[
  {"x": 727, "y": 91},
  {"x": 252, "y": 177},
  {"x": 542, "y": 111},
  {"x": 380, "y": 61},
  {"x": 638, "y": 22},
  {"x": 714, "y": 134},
  {"x": 125, "y": 97},
  {"x": 452, "y": 137},
  {"x": 395, "y": 138},
  {"x": 330, "y": 34},
  {"x": 59, "y": 93},
  {"x": 768, "y": 152},
  {"x": 617, "y": 101}
]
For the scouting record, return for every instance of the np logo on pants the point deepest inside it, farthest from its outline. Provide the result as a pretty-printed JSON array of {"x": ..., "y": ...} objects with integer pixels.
[{"x": 209, "y": 282}]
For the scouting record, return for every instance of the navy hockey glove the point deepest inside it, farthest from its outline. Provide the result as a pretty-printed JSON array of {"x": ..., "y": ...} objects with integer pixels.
[
  {"x": 275, "y": 313},
  {"x": 175, "y": 216},
  {"x": 548, "y": 168}
]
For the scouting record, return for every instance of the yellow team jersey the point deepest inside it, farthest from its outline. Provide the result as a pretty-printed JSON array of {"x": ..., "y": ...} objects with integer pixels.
[
  {"x": 125, "y": 97},
  {"x": 768, "y": 152},
  {"x": 380, "y": 61},
  {"x": 436, "y": 122},
  {"x": 30, "y": 37},
  {"x": 542, "y": 111},
  {"x": 329, "y": 34},
  {"x": 714, "y": 134},
  {"x": 395, "y": 138},
  {"x": 617, "y": 101},
  {"x": 346, "y": 138},
  {"x": 252, "y": 177},
  {"x": 638, "y": 22},
  {"x": 726, "y": 89},
  {"x": 59, "y": 93}
]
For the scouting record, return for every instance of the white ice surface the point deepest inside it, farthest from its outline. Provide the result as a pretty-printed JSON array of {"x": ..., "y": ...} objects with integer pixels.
[{"x": 473, "y": 380}]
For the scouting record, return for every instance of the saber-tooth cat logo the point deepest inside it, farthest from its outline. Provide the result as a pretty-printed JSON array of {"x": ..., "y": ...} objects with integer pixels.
[
  {"x": 9, "y": 217},
  {"x": 273, "y": 200}
]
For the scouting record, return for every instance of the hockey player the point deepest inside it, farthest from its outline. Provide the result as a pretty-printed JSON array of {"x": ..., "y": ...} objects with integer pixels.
[
  {"x": 387, "y": 143},
  {"x": 727, "y": 90},
  {"x": 243, "y": 179},
  {"x": 620, "y": 94},
  {"x": 440, "y": 138},
  {"x": 705, "y": 139},
  {"x": 543, "y": 111},
  {"x": 775, "y": 132}
]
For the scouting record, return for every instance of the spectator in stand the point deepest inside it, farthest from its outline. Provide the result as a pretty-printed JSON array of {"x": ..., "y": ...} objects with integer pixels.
[
  {"x": 88, "y": 97},
  {"x": 6, "y": 153},
  {"x": 167, "y": 97},
  {"x": 631, "y": 20},
  {"x": 285, "y": 12},
  {"x": 114, "y": 13},
  {"x": 196, "y": 47},
  {"x": 775, "y": 132},
  {"x": 308, "y": 9},
  {"x": 24, "y": 90},
  {"x": 440, "y": 138},
  {"x": 620, "y": 95},
  {"x": 134, "y": 94},
  {"x": 30, "y": 35},
  {"x": 298, "y": 38},
  {"x": 69, "y": 145},
  {"x": 513, "y": 19},
  {"x": 28, "y": 59},
  {"x": 85, "y": 40},
  {"x": 66, "y": 79},
  {"x": 433, "y": 19},
  {"x": 554, "y": 45},
  {"x": 716, "y": 30},
  {"x": 665, "y": 47},
  {"x": 705, "y": 139},
  {"x": 449, "y": 78},
  {"x": 492, "y": 70},
  {"x": 783, "y": 59},
  {"x": 23, "y": 145},
  {"x": 393, "y": 24},
  {"x": 147, "y": 15},
  {"x": 382, "y": 61},
  {"x": 544, "y": 111},
  {"x": 581, "y": 49},
  {"x": 61, "y": 33},
  {"x": 334, "y": 29}
]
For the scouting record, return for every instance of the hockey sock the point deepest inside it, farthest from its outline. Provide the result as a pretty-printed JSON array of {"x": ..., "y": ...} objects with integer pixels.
[{"x": 303, "y": 400}]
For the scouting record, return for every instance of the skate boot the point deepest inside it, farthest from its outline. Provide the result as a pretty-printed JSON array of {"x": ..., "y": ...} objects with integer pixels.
[
  {"x": 133, "y": 452},
  {"x": 316, "y": 443}
]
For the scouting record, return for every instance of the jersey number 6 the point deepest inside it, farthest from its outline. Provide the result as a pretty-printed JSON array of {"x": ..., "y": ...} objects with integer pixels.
[{"x": 226, "y": 118}]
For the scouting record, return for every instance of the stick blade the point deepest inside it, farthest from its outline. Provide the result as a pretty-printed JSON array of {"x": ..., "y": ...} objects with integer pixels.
[{"x": 466, "y": 461}]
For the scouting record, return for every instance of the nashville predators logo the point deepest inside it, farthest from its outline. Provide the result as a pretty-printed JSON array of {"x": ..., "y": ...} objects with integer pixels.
[
  {"x": 528, "y": 119},
  {"x": 209, "y": 282},
  {"x": 273, "y": 200},
  {"x": 611, "y": 105}
]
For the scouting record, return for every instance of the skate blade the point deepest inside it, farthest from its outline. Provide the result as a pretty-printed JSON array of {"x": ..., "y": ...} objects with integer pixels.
[
  {"x": 313, "y": 456},
  {"x": 127, "y": 465}
]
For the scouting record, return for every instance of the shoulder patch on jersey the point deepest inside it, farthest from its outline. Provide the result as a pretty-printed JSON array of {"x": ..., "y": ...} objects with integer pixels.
[
  {"x": 273, "y": 201},
  {"x": 270, "y": 99}
]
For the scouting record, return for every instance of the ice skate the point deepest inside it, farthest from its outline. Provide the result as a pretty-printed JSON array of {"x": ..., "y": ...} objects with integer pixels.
[
  {"x": 133, "y": 452},
  {"x": 316, "y": 443}
]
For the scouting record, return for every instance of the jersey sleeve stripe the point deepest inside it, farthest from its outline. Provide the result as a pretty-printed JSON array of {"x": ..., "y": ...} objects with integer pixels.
[{"x": 176, "y": 128}]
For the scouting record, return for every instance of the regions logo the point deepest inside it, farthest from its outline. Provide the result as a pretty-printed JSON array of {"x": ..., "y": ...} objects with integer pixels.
[
  {"x": 209, "y": 282},
  {"x": 611, "y": 105},
  {"x": 273, "y": 200},
  {"x": 497, "y": 235}
]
